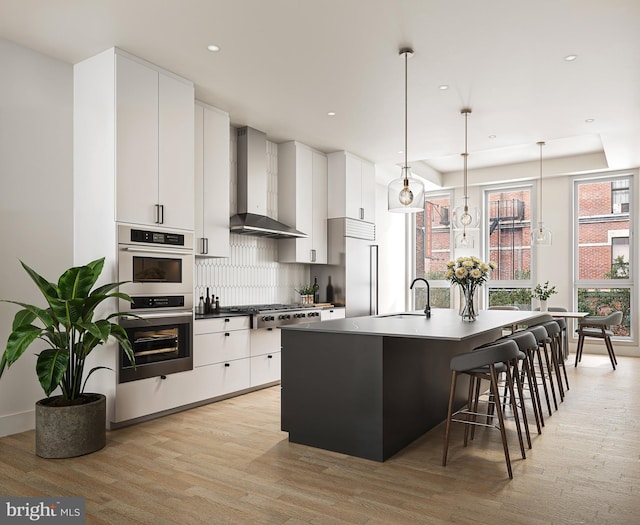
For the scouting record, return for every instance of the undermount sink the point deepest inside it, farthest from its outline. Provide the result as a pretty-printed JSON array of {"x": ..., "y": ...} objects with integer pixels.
[{"x": 403, "y": 316}]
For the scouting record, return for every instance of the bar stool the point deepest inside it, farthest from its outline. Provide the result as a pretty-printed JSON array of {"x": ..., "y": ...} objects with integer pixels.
[
  {"x": 483, "y": 363},
  {"x": 540, "y": 333},
  {"x": 563, "y": 346},
  {"x": 555, "y": 344},
  {"x": 563, "y": 328},
  {"x": 527, "y": 345},
  {"x": 600, "y": 328}
]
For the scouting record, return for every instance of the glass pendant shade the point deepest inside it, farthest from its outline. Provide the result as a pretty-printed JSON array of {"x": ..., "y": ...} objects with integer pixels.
[
  {"x": 540, "y": 236},
  {"x": 466, "y": 216},
  {"x": 405, "y": 194},
  {"x": 464, "y": 240}
]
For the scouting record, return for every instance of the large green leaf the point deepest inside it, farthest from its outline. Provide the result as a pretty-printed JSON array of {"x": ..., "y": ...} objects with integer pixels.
[
  {"x": 77, "y": 282},
  {"x": 51, "y": 366},
  {"x": 48, "y": 289},
  {"x": 119, "y": 333},
  {"x": 19, "y": 340},
  {"x": 44, "y": 315},
  {"x": 105, "y": 288},
  {"x": 23, "y": 317}
]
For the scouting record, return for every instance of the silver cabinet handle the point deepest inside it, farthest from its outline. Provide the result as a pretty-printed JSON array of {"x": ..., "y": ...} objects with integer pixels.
[
  {"x": 362, "y": 213},
  {"x": 313, "y": 256},
  {"x": 159, "y": 213},
  {"x": 204, "y": 250}
]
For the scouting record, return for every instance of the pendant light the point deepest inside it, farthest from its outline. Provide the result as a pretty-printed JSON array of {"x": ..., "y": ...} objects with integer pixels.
[
  {"x": 465, "y": 217},
  {"x": 540, "y": 236},
  {"x": 405, "y": 194}
]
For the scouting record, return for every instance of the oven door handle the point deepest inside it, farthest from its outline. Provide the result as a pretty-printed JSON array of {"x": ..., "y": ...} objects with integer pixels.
[
  {"x": 154, "y": 315},
  {"x": 162, "y": 251}
]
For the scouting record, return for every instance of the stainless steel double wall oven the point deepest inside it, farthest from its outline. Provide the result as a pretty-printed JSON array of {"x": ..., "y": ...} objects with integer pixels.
[{"x": 158, "y": 268}]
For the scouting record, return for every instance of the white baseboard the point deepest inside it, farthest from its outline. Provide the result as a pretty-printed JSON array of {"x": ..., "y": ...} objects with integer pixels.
[{"x": 16, "y": 423}]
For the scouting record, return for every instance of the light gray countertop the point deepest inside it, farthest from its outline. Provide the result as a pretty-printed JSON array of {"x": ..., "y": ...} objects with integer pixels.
[{"x": 444, "y": 324}]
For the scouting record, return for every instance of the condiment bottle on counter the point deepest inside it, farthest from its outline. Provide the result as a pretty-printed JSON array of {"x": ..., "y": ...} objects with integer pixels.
[
  {"x": 217, "y": 305},
  {"x": 207, "y": 303},
  {"x": 316, "y": 288},
  {"x": 201, "y": 306},
  {"x": 329, "y": 291}
]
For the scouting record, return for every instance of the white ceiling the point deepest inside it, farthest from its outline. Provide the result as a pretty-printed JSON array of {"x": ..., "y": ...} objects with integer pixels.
[{"x": 284, "y": 64}]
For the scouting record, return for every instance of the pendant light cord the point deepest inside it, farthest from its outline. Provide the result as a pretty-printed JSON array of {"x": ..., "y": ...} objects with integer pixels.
[
  {"x": 406, "y": 111},
  {"x": 540, "y": 212}
]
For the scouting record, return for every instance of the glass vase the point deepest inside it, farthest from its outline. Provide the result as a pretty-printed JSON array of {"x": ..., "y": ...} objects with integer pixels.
[{"x": 468, "y": 308}]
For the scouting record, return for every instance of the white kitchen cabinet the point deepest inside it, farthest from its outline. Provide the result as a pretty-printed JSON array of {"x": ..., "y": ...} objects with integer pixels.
[
  {"x": 265, "y": 341},
  {"x": 265, "y": 368},
  {"x": 212, "y": 136},
  {"x": 265, "y": 356},
  {"x": 154, "y": 133},
  {"x": 221, "y": 339},
  {"x": 351, "y": 186},
  {"x": 327, "y": 314},
  {"x": 302, "y": 202},
  {"x": 156, "y": 394}
]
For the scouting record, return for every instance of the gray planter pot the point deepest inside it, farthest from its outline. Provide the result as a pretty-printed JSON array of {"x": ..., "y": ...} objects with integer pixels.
[{"x": 69, "y": 431}]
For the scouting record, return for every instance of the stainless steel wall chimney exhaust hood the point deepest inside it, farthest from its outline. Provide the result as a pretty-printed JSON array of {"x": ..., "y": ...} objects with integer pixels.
[{"x": 251, "y": 218}]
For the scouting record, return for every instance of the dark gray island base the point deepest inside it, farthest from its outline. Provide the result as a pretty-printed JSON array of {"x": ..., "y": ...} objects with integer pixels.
[{"x": 369, "y": 386}]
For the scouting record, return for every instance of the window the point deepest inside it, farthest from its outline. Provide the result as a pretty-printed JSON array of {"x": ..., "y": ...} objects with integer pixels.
[
  {"x": 620, "y": 196},
  {"x": 604, "y": 280},
  {"x": 433, "y": 250},
  {"x": 508, "y": 245}
]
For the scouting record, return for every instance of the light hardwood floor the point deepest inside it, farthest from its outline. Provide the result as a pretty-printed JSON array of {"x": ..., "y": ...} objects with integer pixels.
[{"x": 228, "y": 462}]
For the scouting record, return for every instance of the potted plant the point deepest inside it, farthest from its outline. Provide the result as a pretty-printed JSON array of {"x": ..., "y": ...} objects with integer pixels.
[
  {"x": 306, "y": 292},
  {"x": 72, "y": 423},
  {"x": 542, "y": 293}
]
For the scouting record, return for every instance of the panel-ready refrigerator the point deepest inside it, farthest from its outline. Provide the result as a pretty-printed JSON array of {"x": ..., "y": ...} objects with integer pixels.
[{"x": 352, "y": 267}]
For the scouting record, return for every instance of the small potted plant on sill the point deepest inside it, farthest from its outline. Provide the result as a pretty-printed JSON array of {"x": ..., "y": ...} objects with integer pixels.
[
  {"x": 72, "y": 423},
  {"x": 542, "y": 293}
]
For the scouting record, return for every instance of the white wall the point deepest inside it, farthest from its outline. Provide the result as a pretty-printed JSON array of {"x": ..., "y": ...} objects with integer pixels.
[
  {"x": 390, "y": 236},
  {"x": 36, "y": 202}
]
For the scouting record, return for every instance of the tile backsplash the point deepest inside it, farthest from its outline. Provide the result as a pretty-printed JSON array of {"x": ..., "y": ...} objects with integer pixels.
[{"x": 252, "y": 273}]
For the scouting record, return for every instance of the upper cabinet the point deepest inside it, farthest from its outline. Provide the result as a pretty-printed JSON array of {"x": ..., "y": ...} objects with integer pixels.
[
  {"x": 154, "y": 131},
  {"x": 351, "y": 186},
  {"x": 302, "y": 202},
  {"x": 212, "y": 134}
]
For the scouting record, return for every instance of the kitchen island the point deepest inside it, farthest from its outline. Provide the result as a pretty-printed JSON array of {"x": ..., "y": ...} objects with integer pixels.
[{"x": 369, "y": 386}]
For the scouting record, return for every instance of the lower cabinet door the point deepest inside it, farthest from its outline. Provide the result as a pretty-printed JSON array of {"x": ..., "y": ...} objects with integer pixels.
[
  {"x": 229, "y": 376},
  {"x": 155, "y": 394},
  {"x": 265, "y": 368},
  {"x": 149, "y": 396}
]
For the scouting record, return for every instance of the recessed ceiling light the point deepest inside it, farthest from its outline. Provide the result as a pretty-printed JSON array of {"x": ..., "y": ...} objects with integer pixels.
[
  {"x": 570, "y": 58},
  {"x": 443, "y": 87},
  {"x": 332, "y": 113},
  {"x": 492, "y": 136},
  {"x": 213, "y": 48},
  {"x": 589, "y": 120}
]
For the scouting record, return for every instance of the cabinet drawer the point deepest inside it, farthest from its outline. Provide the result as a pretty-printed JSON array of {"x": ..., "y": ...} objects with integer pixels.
[
  {"x": 220, "y": 346},
  {"x": 265, "y": 340},
  {"x": 265, "y": 368},
  {"x": 221, "y": 324},
  {"x": 148, "y": 396},
  {"x": 228, "y": 377}
]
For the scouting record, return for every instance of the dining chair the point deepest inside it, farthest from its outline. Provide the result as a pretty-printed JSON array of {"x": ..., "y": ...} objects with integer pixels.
[{"x": 598, "y": 327}]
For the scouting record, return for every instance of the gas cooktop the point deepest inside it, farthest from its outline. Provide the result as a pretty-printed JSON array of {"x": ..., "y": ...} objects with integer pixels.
[{"x": 262, "y": 308}]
